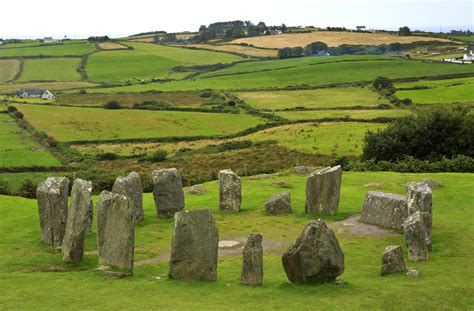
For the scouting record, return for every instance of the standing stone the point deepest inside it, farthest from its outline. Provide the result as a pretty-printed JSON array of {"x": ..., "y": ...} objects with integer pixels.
[
  {"x": 323, "y": 191},
  {"x": 415, "y": 237},
  {"x": 419, "y": 199},
  {"x": 52, "y": 197},
  {"x": 392, "y": 260},
  {"x": 230, "y": 191},
  {"x": 384, "y": 209},
  {"x": 77, "y": 221},
  {"x": 315, "y": 257},
  {"x": 115, "y": 232},
  {"x": 168, "y": 192},
  {"x": 252, "y": 264},
  {"x": 194, "y": 246},
  {"x": 131, "y": 187},
  {"x": 279, "y": 204}
]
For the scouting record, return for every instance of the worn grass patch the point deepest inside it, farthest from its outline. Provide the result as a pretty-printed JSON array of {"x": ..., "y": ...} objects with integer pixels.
[
  {"x": 58, "y": 69},
  {"x": 109, "y": 45},
  {"x": 8, "y": 69}
]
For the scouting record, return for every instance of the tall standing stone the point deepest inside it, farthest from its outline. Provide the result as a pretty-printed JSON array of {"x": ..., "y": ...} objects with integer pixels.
[
  {"x": 131, "y": 187},
  {"x": 392, "y": 260},
  {"x": 323, "y": 191},
  {"x": 415, "y": 237},
  {"x": 230, "y": 191},
  {"x": 315, "y": 257},
  {"x": 419, "y": 199},
  {"x": 77, "y": 221},
  {"x": 115, "y": 232},
  {"x": 384, "y": 209},
  {"x": 194, "y": 246},
  {"x": 52, "y": 197},
  {"x": 252, "y": 264},
  {"x": 168, "y": 192}
]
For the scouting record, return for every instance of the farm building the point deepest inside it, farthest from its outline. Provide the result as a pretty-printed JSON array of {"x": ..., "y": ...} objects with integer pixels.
[
  {"x": 35, "y": 93},
  {"x": 48, "y": 39},
  {"x": 361, "y": 28},
  {"x": 466, "y": 59}
]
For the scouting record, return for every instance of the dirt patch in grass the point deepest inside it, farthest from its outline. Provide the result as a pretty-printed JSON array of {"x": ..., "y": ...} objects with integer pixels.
[
  {"x": 112, "y": 46},
  {"x": 353, "y": 227}
]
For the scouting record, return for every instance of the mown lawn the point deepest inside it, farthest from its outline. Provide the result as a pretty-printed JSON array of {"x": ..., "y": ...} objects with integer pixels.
[
  {"x": 49, "y": 50},
  {"x": 350, "y": 113},
  {"x": 17, "y": 149},
  {"x": 83, "y": 124},
  {"x": 446, "y": 281},
  {"x": 59, "y": 69}
]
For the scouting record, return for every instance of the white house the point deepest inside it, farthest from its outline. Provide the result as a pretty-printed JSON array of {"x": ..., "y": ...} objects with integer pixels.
[
  {"x": 1, "y": 42},
  {"x": 48, "y": 39},
  {"x": 468, "y": 57},
  {"x": 35, "y": 93}
]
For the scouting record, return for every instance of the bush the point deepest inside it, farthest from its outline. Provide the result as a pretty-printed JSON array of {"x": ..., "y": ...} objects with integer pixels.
[
  {"x": 82, "y": 92},
  {"x": 406, "y": 101},
  {"x": 28, "y": 189},
  {"x": 4, "y": 188},
  {"x": 382, "y": 83},
  {"x": 107, "y": 156},
  {"x": 158, "y": 156},
  {"x": 12, "y": 109},
  {"x": 18, "y": 114},
  {"x": 113, "y": 104}
]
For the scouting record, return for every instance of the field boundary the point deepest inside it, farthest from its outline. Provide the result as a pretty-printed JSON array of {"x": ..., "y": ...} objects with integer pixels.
[{"x": 19, "y": 72}]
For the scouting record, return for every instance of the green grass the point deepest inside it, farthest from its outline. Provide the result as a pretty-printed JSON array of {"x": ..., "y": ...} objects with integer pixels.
[
  {"x": 16, "y": 180},
  {"x": 318, "y": 98},
  {"x": 72, "y": 124},
  {"x": 49, "y": 50},
  {"x": 52, "y": 86},
  {"x": 463, "y": 38},
  {"x": 354, "y": 114},
  {"x": 439, "y": 92},
  {"x": 17, "y": 149},
  {"x": 8, "y": 69},
  {"x": 147, "y": 61},
  {"x": 446, "y": 281},
  {"x": 58, "y": 69}
]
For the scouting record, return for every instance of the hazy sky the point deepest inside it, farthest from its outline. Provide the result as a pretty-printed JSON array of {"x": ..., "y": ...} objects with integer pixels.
[{"x": 39, "y": 18}]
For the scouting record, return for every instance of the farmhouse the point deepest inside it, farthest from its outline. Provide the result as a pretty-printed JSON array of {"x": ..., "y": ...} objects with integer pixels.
[
  {"x": 35, "y": 93},
  {"x": 361, "y": 28},
  {"x": 48, "y": 39},
  {"x": 466, "y": 59}
]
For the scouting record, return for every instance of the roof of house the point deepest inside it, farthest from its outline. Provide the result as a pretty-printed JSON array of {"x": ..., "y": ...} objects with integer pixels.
[{"x": 32, "y": 91}]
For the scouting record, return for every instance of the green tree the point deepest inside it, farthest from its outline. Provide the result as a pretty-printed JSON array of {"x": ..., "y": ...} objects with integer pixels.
[
  {"x": 404, "y": 31},
  {"x": 315, "y": 47}
]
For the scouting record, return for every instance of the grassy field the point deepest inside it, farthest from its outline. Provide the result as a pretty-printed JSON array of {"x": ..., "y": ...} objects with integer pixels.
[
  {"x": 354, "y": 114},
  {"x": 331, "y": 38},
  {"x": 109, "y": 45},
  {"x": 73, "y": 124},
  {"x": 49, "y": 50},
  {"x": 445, "y": 282},
  {"x": 318, "y": 98},
  {"x": 58, "y": 69},
  {"x": 234, "y": 48},
  {"x": 149, "y": 61},
  {"x": 52, "y": 86},
  {"x": 8, "y": 69},
  {"x": 439, "y": 91},
  {"x": 17, "y": 149},
  {"x": 463, "y": 38}
]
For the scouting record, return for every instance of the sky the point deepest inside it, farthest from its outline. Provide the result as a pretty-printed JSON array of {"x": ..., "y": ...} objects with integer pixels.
[{"x": 116, "y": 18}]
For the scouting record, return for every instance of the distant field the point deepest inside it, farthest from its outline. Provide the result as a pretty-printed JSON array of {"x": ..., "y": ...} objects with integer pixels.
[
  {"x": 463, "y": 38},
  {"x": 439, "y": 91},
  {"x": 149, "y": 61},
  {"x": 72, "y": 124},
  {"x": 59, "y": 69},
  {"x": 331, "y": 38},
  {"x": 17, "y": 149},
  {"x": 52, "y": 86},
  {"x": 318, "y": 98},
  {"x": 109, "y": 45},
  {"x": 354, "y": 114},
  {"x": 246, "y": 50},
  {"x": 8, "y": 69},
  {"x": 50, "y": 50}
]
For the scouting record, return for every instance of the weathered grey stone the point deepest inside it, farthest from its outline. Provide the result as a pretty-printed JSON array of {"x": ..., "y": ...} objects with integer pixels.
[
  {"x": 433, "y": 184},
  {"x": 392, "y": 260},
  {"x": 195, "y": 190},
  {"x": 303, "y": 170},
  {"x": 230, "y": 191},
  {"x": 131, "y": 187},
  {"x": 384, "y": 209},
  {"x": 279, "y": 204},
  {"x": 90, "y": 218},
  {"x": 315, "y": 257},
  {"x": 281, "y": 184},
  {"x": 419, "y": 199},
  {"x": 168, "y": 192},
  {"x": 52, "y": 197},
  {"x": 252, "y": 264},
  {"x": 414, "y": 273},
  {"x": 77, "y": 221},
  {"x": 415, "y": 237},
  {"x": 115, "y": 232},
  {"x": 194, "y": 246},
  {"x": 323, "y": 189}
]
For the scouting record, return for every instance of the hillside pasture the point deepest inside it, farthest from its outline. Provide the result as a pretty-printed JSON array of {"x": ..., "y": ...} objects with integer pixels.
[
  {"x": 235, "y": 48},
  {"x": 52, "y": 86},
  {"x": 350, "y": 113},
  {"x": 50, "y": 50},
  {"x": 48, "y": 69},
  {"x": 331, "y": 38},
  {"x": 9, "y": 69},
  {"x": 84, "y": 124},
  {"x": 110, "y": 45}
]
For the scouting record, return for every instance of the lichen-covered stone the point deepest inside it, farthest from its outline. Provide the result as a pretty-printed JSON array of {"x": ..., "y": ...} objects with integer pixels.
[
  {"x": 323, "y": 189},
  {"x": 315, "y": 257},
  {"x": 230, "y": 191},
  {"x": 115, "y": 232},
  {"x": 252, "y": 264},
  {"x": 52, "y": 197},
  {"x": 415, "y": 237},
  {"x": 131, "y": 187},
  {"x": 384, "y": 209},
  {"x": 279, "y": 204},
  {"x": 419, "y": 199},
  {"x": 392, "y": 260},
  {"x": 194, "y": 246},
  {"x": 77, "y": 221},
  {"x": 168, "y": 192}
]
